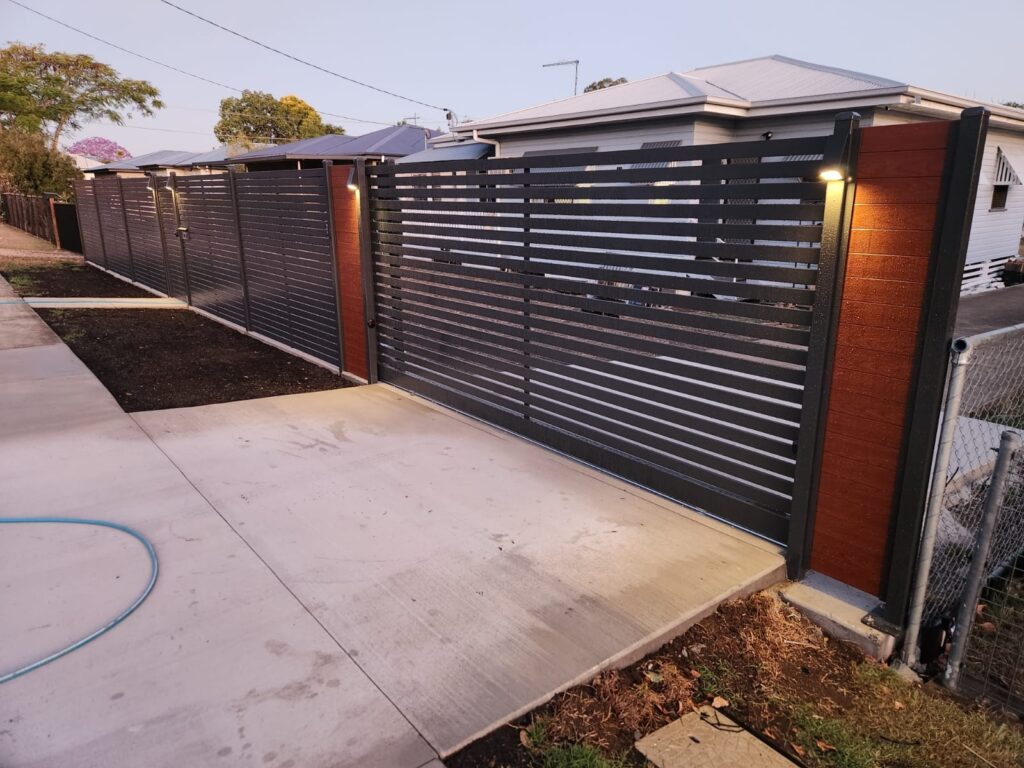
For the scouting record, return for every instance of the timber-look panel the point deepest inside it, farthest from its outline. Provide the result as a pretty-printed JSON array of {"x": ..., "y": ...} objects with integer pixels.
[{"x": 899, "y": 181}]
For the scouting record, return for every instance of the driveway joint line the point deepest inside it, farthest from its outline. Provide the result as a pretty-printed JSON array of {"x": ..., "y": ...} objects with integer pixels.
[{"x": 284, "y": 584}]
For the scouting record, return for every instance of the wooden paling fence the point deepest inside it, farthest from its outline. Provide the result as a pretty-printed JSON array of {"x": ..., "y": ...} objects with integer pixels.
[{"x": 30, "y": 213}]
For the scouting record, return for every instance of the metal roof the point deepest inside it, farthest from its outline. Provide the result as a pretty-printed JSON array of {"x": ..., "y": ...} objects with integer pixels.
[
  {"x": 160, "y": 159},
  {"x": 217, "y": 155},
  {"x": 394, "y": 141},
  {"x": 467, "y": 150},
  {"x": 740, "y": 83}
]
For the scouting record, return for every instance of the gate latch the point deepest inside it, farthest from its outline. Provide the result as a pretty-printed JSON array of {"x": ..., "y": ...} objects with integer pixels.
[{"x": 181, "y": 232}]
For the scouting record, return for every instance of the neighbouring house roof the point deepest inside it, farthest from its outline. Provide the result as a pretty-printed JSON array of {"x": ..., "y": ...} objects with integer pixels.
[
  {"x": 770, "y": 85},
  {"x": 466, "y": 150},
  {"x": 213, "y": 157},
  {"x": 163, "y": 158},
  {"x": 394, "y": 141}
]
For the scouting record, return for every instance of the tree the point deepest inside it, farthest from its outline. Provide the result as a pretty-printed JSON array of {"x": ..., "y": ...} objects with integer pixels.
[
  {"x": 256, "y": 116},
  {"x": 1014, "y": 104},
  {"x": 55, "y": 91},
  {"x": 28, "y": 165},
  {"x": 605, "y": 82},
  {"x": 99, "y": 148}
]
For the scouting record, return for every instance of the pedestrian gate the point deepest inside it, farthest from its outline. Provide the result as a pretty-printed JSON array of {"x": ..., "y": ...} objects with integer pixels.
[{"x": 647, "y": 311}]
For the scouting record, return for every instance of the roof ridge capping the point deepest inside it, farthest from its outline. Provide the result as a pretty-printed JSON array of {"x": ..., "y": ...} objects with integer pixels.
[{"x": 850, "y": 73}]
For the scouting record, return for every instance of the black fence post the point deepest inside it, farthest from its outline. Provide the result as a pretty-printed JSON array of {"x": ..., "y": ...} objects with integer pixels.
[
  {"x": 956, "y": 212},
  {"x": 233, "y": 188},
  {"x": 367, "y": 268},
  {"x": 328, "y": 164},
  {"x": 841, "y": 155}
]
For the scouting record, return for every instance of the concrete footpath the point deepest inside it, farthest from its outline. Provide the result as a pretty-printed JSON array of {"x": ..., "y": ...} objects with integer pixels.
[
  {"x": 220, "y": 666},
  {"x": 348, "y": 578}
]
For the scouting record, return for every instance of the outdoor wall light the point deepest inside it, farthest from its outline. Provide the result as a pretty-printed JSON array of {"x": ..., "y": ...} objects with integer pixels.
[
  {"x": 831, "y": 174},
  {"x": 351, "y": 183}
]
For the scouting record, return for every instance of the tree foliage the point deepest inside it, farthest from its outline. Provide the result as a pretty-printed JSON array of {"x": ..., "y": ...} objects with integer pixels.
[
  {"x": 605, "y": 82},
  {"x": 259, "y": 117},
  {"x": 99, "y": 148},
  {"x": 1014, "y": 104},
  {"x": 54, "y": 91},
  {"x": 30, "y": 166}
]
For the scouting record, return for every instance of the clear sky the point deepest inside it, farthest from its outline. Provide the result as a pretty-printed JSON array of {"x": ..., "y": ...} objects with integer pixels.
[{"x": 485, "y": 58}]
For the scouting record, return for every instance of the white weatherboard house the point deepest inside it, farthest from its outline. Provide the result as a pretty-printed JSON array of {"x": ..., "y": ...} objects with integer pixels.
[{"x": 766, "y": 98}]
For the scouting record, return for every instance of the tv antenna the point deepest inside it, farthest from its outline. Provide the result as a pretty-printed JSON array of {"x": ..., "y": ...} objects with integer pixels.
[{"x": 565, "y": 63}]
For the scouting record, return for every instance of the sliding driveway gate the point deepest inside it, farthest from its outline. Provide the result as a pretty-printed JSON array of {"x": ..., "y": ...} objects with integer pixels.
[{"x": 650, "y": 311}]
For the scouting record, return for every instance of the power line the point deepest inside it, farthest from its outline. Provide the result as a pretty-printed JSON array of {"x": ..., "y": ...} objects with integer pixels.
[
  {"x": 169, "y": 66},
  {"x": 301, "y": 61}
]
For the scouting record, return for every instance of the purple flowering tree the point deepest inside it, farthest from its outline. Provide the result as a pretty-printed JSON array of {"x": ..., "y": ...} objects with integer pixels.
[{"x": 101, "y": 149}]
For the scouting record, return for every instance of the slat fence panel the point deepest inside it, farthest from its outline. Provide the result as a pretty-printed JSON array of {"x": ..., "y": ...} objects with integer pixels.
[
  {"x": 115, "y": 234},
  {"x": 286, "y": 237},
  {"x": 89, "y": 222},
  {"x": 644, "y": 310}
]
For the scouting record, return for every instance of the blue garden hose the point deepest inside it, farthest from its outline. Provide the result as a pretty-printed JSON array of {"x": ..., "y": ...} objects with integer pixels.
[{"x": 110, "y": 624}]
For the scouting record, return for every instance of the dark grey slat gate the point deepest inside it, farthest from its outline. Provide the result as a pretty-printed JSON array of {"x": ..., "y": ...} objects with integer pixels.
[
  {"x": 212, "y": 258},
  {"x": 144, "y": 233},
  {"x": 607, "y": 305},
  {"x": 285, "y": 229}
]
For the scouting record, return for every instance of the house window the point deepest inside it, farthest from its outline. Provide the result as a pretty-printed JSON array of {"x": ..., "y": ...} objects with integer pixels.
[{"x": 999, "y": 194}]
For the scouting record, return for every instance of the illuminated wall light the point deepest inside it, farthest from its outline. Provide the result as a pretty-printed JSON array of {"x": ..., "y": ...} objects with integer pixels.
[
  {"x": 831, "y": 174},
  {"x": 351, "y": 183}
]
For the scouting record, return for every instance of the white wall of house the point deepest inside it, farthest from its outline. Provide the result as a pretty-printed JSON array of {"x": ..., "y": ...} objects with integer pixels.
[{"x": 605, "y": 139}]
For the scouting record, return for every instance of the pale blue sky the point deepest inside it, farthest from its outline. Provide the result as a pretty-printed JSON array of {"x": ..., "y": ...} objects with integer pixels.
[{"x": 486, "y": 59}]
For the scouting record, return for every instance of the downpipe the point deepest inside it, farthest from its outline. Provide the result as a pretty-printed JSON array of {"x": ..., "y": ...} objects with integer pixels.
[{"x": 960, "y": 358}]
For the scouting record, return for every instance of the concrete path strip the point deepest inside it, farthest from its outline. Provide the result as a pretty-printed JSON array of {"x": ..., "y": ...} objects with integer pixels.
[
  {"x": 56, "y": 302},
  {"x": 221, "y": 666},
  {"x": 470, "y": 573}
]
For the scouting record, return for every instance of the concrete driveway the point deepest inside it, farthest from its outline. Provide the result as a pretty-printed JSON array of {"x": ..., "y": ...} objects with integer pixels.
[{"x": 352, "y": 577}]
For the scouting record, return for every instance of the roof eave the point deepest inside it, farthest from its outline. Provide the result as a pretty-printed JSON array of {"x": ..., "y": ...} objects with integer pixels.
[{"x": 697, "y": 104}]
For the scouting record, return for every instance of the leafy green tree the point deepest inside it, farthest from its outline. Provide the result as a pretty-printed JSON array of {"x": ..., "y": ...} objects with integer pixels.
[
  {"x": 54, "y": 91},
  {"x": 30, "y": 166},
  {"x": 1014, "y": 104},
  {"x": 259, "y": 117},
  {"x": 605, "y": 82}
]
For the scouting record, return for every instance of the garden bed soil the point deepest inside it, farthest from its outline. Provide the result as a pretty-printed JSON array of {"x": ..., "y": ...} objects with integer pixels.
[
  {"x": 152, "y": 359},
  {"x": 817, "y": 700},
  {"x": 63, "y": 279}
]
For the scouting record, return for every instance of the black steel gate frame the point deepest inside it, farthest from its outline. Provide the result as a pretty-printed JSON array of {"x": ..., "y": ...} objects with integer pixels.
[{"x": 841, "y": 148}]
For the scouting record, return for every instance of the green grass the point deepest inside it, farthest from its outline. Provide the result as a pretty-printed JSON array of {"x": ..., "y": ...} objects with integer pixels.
[
  {"x": 578, "y": 756},
  {"x": 843, "y": 748}
]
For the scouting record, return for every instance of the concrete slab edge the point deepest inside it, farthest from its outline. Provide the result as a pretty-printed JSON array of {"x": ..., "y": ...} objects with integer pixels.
[{"x": 633, "y": 653}]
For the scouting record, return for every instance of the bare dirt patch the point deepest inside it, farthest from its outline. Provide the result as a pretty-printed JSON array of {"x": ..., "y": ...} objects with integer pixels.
[
  {"x": 30, "y": 277},
  {"x": 151, "y": 359},
  {"x": 817, "y": 700}
]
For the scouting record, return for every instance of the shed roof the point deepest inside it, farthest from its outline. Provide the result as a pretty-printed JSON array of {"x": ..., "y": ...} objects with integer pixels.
[
  {"x": 466, "y": 150},
  {"x": 162, "y": 158},
  {"x": 394, "y": 141}
]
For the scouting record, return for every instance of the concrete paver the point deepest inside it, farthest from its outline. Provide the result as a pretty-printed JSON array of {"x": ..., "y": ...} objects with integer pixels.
[
  {"x": 708, "y": 739},
  {"x": 471, "y": 573}
]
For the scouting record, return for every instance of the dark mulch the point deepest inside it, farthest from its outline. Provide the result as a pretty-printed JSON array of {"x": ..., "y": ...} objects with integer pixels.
[
  {"x": 816, "y": 699},
  {"x": 169, "y": 358},
  {"x": 69, "y": 280}
]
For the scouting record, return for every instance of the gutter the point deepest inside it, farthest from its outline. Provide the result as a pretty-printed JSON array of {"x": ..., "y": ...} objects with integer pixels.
[{"x": 493, "y": 142}]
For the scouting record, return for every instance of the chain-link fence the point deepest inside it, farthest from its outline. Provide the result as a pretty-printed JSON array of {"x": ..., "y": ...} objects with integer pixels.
[{"x": 992, "y": 402}]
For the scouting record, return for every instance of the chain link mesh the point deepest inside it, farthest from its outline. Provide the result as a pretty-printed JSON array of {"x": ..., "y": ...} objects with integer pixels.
[{"x": 993, "y": 401}]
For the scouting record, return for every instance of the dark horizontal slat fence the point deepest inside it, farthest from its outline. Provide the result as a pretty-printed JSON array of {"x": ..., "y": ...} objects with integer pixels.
[
  {"x": 647, "y": 311},
  {"x": 253, "y": 249},
  {"x": 29, "y": 213}
]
